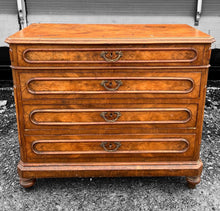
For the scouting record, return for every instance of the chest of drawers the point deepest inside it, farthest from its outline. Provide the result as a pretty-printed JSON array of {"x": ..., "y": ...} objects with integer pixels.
[{"x": 109, "y": 100}]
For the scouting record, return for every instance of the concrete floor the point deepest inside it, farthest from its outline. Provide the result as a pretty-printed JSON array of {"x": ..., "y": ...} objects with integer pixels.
[{"x": 166, "y": 193}]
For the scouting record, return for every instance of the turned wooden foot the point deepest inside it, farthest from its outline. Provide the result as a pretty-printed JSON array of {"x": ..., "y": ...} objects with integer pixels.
[
  {"x": 27, "y": 182},
  {"x": 193, "y": 181}
]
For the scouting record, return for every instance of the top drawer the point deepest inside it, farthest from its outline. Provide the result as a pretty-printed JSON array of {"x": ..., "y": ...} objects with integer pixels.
[{"x": 111, "y": 55}]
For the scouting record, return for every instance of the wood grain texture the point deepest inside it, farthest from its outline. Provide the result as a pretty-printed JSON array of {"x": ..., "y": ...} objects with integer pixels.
[
  {"x": 89, "y": 148},
  {"x": 109, "y": 33},
  {"x": 150, "y": 115},
  {"x": 58, "y": 147},
  {"x": 157, "y": 84},
  {"x": 109, "y": 100},
  {"x": 91, "y": 55},
  {"x": 35, "y": 170},
  {"x": 94, "y": 55}
]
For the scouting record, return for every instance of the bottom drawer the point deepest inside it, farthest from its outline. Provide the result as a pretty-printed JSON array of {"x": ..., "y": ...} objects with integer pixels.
[{"x": 109, "y": 148}]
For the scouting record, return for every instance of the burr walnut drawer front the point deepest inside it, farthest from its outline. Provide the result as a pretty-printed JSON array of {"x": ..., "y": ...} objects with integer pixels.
[
  {"x": 151, "y": 115},
  {"x": 108, "y": 55},
  {"x": 89, "y": 148},
  {"x": 109, "y": 84}
]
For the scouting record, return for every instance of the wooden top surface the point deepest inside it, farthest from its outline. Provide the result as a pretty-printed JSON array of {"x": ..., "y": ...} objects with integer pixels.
[{"x": 109, "y": 34}]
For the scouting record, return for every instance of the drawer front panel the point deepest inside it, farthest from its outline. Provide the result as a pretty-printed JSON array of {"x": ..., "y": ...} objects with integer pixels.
[
  {"x": 100, "y": 146},
  {"x": 109, "y": 148},
  {"x": 150, "y": 84},
  {"x": 178, "y": 55},
  {"x": 146, "y": 55},
  {"x": 170, "y": 115}
]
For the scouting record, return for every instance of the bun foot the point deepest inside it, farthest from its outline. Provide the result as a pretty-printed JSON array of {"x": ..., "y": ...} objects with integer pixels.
[
  {"x": 193, "y": 181},
  {"x": 26, "y": 182}
]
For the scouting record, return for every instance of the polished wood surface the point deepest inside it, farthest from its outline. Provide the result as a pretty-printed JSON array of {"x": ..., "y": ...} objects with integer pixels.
[
  {"x": 78, "y": 55},
  {"x": 152, "y": 115},
  {"x": 109, "y": 33},
  {"x": 72, "y": 84},
  {"x": 110, "y": 148},
  {"x": 121, "y": 55},
  {"x": 109, "y": 100}
]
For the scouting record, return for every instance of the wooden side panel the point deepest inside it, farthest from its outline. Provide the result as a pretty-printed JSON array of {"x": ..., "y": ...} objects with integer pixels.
[{"x": 19, "y": 113}]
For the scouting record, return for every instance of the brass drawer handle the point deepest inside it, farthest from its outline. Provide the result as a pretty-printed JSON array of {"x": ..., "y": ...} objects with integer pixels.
[
  {"x": 110, "y": 146},
  {"x": 104, "y": 53},
  {"x": 110, "y": 116},
  {"x": 108, "y": 84}
]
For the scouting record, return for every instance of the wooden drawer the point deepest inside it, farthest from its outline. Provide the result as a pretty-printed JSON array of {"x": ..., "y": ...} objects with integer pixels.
[
  {"x": 110, "y": 84},
  {"x": 150, "y": 115},
  {"x": 111, "y": 55},
  {"x": 90, "y": 148}
]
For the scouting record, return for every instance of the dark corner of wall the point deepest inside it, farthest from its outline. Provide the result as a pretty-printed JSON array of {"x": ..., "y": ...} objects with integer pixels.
[
  {"x": 214, "y": 70},
  {"x": 5, "y": 70}
]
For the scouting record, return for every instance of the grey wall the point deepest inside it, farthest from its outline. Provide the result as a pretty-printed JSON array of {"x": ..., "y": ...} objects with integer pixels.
[
  {"x": 8, "y": 19},
  {"x": 112, "y": 11},
  {"x": 112, "y": 7}
]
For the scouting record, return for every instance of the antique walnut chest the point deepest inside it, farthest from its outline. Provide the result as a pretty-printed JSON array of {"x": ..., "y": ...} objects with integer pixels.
[{"x": 109, "y": 100}]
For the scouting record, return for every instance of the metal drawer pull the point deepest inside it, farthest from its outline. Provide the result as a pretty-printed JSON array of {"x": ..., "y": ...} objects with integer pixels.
[
  {"x": 104, "y": 53},
  {"x": 110, "y": 116},
  {"x": 108, "y": 84},
  {"x": 110, "y": 146}
]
